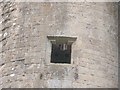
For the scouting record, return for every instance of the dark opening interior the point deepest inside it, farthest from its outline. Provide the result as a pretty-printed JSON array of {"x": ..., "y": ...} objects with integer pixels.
[{"x": 61, "y": 53}]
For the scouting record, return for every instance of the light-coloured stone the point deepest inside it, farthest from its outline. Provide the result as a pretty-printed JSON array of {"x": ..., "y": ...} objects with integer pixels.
[{"x": 26, "y": 51}]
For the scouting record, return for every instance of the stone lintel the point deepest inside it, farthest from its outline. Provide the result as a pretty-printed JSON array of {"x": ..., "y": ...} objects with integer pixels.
[{"x": 61, "y": 39}]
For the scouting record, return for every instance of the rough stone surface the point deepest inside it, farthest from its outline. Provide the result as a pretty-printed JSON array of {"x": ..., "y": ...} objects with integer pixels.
[{"x": 26, "y": 50}]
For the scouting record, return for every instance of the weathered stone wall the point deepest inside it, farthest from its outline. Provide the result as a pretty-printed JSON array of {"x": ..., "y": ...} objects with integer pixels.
[
  {"x": 119, "y": 44},
  {"x": 0, "y": 42},
  {"x": 9, "y": 38},
  {"x": 26, "y": 49}
]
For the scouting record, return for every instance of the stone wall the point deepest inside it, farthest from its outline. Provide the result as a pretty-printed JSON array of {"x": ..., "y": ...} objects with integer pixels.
[
  {"x": 0, "y": 42},
  {"x": 26, "y": 49},
  {"x": 119, "y": 43}
]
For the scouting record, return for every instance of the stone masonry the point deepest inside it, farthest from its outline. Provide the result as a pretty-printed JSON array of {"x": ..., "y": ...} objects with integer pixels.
[{"x": 26, "y": 50}]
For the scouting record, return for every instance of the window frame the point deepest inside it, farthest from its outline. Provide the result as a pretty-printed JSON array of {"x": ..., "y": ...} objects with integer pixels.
[{"x": 60, "y": 39}]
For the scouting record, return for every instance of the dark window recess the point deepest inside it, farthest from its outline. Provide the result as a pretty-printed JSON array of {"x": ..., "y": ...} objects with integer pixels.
[{"x": 61, "y": 53}]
